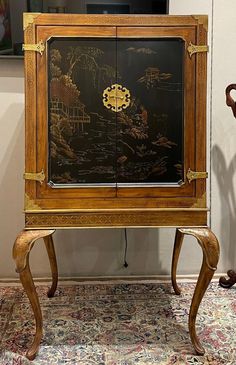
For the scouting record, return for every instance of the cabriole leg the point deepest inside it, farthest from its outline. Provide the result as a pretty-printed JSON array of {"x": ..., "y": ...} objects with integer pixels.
[
  {"x": 210, "y": 248},
  {"x": 48, "y": 240},
  {"x": 179, "y": 236},
  {"x": 21, "y": 250}
]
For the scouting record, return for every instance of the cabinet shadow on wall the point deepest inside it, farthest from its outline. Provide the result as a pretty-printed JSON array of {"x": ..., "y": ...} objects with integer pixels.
[
  {"x": 225, "y": 179},
  {"x": 100, "y": 252}
]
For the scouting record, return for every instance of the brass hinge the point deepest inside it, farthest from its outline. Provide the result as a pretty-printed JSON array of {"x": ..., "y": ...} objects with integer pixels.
[
  {"x": 193, "y": 175},
  {"x": 39, "y": 47},
  {"x": 193, "y": 48},
  {"x": 36, "y": 176}
]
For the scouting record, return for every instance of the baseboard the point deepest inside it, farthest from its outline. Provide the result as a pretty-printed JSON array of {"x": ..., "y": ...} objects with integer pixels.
[{"x": 122, "y": 279}]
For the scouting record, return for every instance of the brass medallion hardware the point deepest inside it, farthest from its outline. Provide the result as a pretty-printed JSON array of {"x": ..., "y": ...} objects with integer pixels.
[
  {"x": 193, "y": 175},
  {"x": 39, "y": 47},
  {"x": 36, "y": 176},
  {"x": 116, "y": 98},
  {"x": 193, "y": 48}
]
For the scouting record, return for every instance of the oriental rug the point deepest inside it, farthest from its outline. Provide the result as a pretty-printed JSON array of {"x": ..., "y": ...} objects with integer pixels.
[{"x": 118, "y": 324}]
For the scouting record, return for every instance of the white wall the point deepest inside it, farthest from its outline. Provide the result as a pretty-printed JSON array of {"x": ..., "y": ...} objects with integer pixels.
[
  {"x": 100, "y": 252},
  {"x": 11, "y": 159},
  {"x": 224, "y": 131}
]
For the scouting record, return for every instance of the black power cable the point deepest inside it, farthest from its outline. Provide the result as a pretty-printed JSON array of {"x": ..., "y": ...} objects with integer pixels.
[{"x": 126, "y": 246}]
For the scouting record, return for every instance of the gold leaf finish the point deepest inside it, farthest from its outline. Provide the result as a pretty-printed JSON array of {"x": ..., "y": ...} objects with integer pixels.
[
  {"x": 39, "y": 47},
  {"x": 201, "y": 202},
  {"x": 132, "y": 219},
  {"x": 194, "y": 175},
  {"x": 36, "y": 176},
  {"x": 30, "y": 204},
  {"x": 28, "y": 19},
  {"x": 194, "y": 48},
  {"x": 202, "y": 19}
]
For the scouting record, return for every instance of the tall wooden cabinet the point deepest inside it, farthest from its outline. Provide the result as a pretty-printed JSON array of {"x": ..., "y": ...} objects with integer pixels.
[{"x": 115, "y": 133}]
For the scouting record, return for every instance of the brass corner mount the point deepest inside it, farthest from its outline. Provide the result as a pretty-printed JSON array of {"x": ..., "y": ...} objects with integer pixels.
[
  {"x": 202, "y": 19},
  {"x": 28, "y": 19}
]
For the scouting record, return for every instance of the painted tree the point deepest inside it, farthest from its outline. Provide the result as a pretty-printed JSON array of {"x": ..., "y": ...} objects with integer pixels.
[{"x": 86, "y": 57}]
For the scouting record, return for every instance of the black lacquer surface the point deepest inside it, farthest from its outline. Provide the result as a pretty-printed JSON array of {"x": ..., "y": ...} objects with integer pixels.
[{"x": 89, "y": 144}]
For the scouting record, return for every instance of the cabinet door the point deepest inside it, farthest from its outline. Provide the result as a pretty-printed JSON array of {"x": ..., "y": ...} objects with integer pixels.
[
  {"x": 115, "y": 113},
  {"x": 157, "y": 133},
  {"x": 76, "y": 135}
]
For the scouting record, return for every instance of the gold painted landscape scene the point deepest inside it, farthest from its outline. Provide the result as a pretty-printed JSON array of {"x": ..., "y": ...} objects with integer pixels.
[{"x": 92, "y": 144}]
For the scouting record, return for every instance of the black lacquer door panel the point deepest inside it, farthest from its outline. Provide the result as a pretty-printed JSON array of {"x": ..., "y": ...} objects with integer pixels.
[
  {"x": 82, "y": 132},
  {"x": 150, "y": 131},
  {"x": 91, "y": 144}
]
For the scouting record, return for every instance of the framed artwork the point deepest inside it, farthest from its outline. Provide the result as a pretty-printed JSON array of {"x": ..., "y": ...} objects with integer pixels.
[
  {"x": 5, "y": 29},
  {"x": 108, "y": 8},
  {"x": 35, "y": 5},
  {"x": 57, "y": 9}
]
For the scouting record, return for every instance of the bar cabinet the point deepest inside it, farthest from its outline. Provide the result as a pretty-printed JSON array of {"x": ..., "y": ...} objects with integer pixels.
[{"x": 115, "y": 135}]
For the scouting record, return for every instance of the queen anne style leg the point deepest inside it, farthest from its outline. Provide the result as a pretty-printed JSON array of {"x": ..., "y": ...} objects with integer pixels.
[
  {"x": 48, "y": 241},
  {"x": 177, "y": 247},
  {"x": 210, "y": 249},
  {"x": 21, "y": 250}
]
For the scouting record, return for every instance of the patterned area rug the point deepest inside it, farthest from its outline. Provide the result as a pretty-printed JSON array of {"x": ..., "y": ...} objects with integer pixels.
[{"x": 118, "y": 324}]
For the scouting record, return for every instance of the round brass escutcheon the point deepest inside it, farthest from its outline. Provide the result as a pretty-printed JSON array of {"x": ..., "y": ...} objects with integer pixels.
[{"x": 116, "y": 98}]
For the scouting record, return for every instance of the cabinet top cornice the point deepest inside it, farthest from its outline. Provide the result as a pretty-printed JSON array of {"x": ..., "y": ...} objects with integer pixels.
[{"x": 114, "y": 19}]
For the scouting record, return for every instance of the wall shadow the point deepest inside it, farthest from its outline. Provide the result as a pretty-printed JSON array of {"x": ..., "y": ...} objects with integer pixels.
[
  {"x": 101, "y": 252},
  {"x": 11, "y": 185},
  {"x": 225, "y": 179}
]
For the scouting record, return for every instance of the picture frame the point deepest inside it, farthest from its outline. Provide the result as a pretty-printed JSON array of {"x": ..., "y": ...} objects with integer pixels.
[
  {"x": 57, "y": 9},
  {"x": 5, "y": 28},
  {"x": 35, "y": 6},
  {"x": 103, "y": 8}
]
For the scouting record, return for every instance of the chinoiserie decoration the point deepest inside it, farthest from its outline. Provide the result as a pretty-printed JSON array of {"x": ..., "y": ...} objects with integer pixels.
[{"x": 115, "y": 135}]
